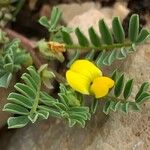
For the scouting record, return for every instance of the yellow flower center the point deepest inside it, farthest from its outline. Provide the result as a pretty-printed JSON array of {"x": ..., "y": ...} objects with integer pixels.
[{"x": 84, "y": 77}]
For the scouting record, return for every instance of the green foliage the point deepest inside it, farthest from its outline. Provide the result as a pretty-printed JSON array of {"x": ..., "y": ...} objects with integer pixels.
[
  {"x": 134, "y": 28},
  {"x": 119, "y": 98},
  {"x": 12, "y": 57},
  {"x": 111, "y": 45},
  {"x": 106, "y": 35},
  {"x": 54, "y": 19},
  {"x": 95, "y": 39},
  {"x": 52, "y": 24},
  {"x": 118, "y": 30},
  {"x": 106, "y": 46},
  {"x": 30, "y": 103},
  {"x": 83, "y": 41}
]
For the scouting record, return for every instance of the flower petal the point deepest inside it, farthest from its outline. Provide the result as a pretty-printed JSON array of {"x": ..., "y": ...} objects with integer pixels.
[
  {"x": 101, "y": 85},
  {"x": 78, "y": 82},
  {"x": 86, "y": 68}
]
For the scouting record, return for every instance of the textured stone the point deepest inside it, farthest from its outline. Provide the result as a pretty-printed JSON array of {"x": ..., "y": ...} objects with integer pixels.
[
  {"x": 74, "y": 9},
  {"x": 3, "y": 100}
]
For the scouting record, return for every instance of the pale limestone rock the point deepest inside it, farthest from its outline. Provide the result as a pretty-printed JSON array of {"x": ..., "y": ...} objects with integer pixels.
[
  {"x": 74, "y": 9},
  {"x": 120, "y": 10}
]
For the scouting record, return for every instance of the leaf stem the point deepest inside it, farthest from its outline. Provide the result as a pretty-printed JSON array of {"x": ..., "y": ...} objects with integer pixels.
[{"x": 103, "y": 47}]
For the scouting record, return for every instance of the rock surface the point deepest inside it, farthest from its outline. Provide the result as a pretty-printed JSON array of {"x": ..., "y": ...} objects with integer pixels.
[
  {"x": 74, "y": 9},
  {"x": 3, "y": 100},
  {"x": 115, "y": 132}
]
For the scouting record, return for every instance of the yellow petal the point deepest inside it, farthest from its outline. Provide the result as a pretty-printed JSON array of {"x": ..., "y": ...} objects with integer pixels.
[
  {"x": 106, "y": 80},
  {"x": 86, "y": 68},
  {"x": 101, "y": 86},
  {"x": 78, "y": 82}
]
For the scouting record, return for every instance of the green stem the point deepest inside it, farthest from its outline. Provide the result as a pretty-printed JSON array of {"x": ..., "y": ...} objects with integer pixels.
[{"x": 103, "y": 47}]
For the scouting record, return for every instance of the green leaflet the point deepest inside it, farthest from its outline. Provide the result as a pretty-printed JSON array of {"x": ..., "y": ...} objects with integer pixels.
[
  {"x": 44, "y": 22},
  {"x": 95, "y": 40},
  {"x": 54, "y": 19},
  {"x": 128, "y": 89},
  {"x": 15, "y": 109},
  {"x": 109, "y": 58},
  {"x": 20, "y": 99},
  {"x": 66, "y": 37},
  {"x": 83, "y": 41},
  {"x": 5, "y": 79},
  {"x": 143, "y": 97},
  {"x": 17, "y": 122},
  {"x": 119, "y": 86},
  {"x": 25, "y": 90},
  {"x": 105, "y": 33},
  {"x": 118, "y": 30},
  {"x": 142, "y": 36},
  {"x": 144, "y": 87},
  {"x": 28, "y": 79},
  {"x": 114, "y": 75},
  {"x": 52, "y": 111},
  {"x": 100, "y": 58},
  {"x": 119, "y": 96},
  {"x": 134, "y": 27},
  {"x": 12, "y": 58}
]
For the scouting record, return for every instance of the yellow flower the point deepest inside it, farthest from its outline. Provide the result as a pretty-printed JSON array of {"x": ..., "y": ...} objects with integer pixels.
[{"x": 84, "y": 77}]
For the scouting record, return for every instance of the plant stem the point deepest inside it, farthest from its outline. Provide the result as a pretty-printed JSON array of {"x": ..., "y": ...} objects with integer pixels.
[{"x": 103, "y": 47}]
